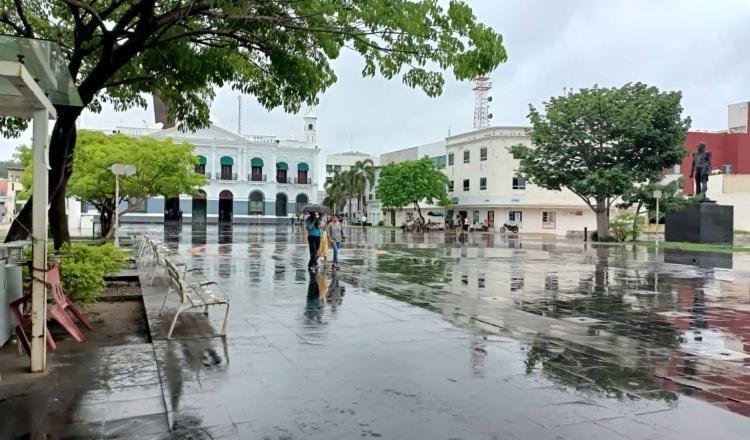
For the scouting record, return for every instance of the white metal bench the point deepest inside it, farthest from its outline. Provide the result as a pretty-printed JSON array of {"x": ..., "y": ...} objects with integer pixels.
[{"x": 192, "y": 295}]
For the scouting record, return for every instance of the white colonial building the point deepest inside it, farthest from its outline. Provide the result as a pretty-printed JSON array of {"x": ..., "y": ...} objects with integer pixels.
[
  {"x": 251, "y": 179},
  {"x": 485, "y": 187}
]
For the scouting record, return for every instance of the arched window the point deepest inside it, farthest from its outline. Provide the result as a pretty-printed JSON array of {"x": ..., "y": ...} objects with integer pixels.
[
  {"x": 302, "y": 169},
  {"x": 201, "y": 167},
  {"x": 256, "y": 203},
  {"x": 301, "y": 201},
  {"x": 256, "y": 170},
  {"x": 281, "y": 170},
  {"x": 226, "y": 168},
  {"x": 281, "y": 201}
]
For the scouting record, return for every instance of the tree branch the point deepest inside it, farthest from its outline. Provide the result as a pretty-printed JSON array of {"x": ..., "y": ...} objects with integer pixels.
[
  {"x": 27, "y": 27},
  {"x": 18, "y": 29},
  {"x": 95, "y": 15}
]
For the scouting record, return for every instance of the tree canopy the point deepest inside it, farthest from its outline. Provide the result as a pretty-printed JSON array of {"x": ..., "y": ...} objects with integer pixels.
[
  {"x": 162, "y": 169},
  {"x": 600, "y": 143},
  {"x": 411, "y": 182},
  {"x": 276, "y": 50}
]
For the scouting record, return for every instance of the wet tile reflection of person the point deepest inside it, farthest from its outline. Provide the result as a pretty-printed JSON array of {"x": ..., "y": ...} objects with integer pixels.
[
  {"x": 335, "y": 295},
  {"x": 313, "y": 307}
]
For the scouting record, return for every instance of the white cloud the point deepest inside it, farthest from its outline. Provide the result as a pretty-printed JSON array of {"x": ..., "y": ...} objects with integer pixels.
[{"x": 693, "y": 46}]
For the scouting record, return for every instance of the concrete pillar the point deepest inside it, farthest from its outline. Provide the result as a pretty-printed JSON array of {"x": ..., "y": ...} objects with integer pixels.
[{"x": 39, "y": 243}]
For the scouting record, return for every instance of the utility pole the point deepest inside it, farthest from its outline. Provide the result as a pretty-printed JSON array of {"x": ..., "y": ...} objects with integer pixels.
[{"x": 118, "y": 170}]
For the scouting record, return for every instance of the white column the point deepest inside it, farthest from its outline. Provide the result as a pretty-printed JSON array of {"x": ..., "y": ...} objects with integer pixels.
[
  {"x": 243, "y": 164},
  {"x": 39, "y": 243},
  {"x": 214, "y": 164}
]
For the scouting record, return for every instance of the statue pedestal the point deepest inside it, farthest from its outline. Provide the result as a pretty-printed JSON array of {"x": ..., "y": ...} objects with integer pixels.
[{"x": 704, "y": 222}]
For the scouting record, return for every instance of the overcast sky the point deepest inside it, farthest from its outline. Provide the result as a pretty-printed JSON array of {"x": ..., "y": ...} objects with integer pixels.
[{"x": 697, "y": 47}]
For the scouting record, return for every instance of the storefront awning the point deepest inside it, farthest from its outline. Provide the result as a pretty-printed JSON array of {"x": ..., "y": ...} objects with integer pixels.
[
  {"x": 282, "y": 166},
  {"x": 302, "y": 166},
  {"x": 256, "y": 162},
  {"x": 202, "y": 160},
  {"x": 226, "y": 160}
]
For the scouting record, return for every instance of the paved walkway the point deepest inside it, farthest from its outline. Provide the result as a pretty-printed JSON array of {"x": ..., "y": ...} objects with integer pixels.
[{"x": 434, "y": 338}]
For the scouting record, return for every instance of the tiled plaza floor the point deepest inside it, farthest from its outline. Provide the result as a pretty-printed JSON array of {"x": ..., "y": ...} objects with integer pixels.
[{"x": 436, "y": 337}]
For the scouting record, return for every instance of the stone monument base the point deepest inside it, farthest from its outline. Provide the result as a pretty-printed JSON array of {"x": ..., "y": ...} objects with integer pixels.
[{"x": 704, "y": 222}]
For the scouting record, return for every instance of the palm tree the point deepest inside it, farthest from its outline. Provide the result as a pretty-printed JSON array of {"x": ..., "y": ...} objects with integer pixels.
[
  {"x": 362, "y": 177},
  {"x": 336, "y": 191}
]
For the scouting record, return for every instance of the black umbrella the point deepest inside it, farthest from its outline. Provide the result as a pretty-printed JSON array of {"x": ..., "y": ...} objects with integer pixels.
[{"x": 317, "y": 208}]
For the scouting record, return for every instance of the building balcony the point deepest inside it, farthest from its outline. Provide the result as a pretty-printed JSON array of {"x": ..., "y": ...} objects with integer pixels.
[
  {"x": 229, "y": 177},
  {"x": 303, "y": 181},
  {"x": 257, "y": 178},
  {"x": 283, "y": 179}
]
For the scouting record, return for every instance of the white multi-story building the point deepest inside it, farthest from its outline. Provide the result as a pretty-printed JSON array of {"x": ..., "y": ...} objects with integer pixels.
[
  {"x": 340, "y": 162},
  {"x": 486, "y": 188},
  {"x": 433, "y": 150},
  {"x": 251, "y": 179}
]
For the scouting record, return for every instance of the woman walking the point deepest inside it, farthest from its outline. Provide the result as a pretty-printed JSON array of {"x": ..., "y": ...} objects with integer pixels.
[
  {"x": 312, "y": 224},
  {"x": 335, "y": 235},
  {"x": 323, "y": 248}
]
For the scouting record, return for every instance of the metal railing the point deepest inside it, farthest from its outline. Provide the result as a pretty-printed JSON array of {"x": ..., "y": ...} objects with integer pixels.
[
  {"x": 282, "y": 179},
  {"x": 256, "y": 178},
  {"x": 303, "y": 181},
  {"x": 232, "y": 176}
]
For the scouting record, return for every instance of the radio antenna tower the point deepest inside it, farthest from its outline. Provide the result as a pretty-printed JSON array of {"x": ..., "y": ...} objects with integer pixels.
[
  {"x": 239, "y": 115},
  {"x": 482, "y": 115}
]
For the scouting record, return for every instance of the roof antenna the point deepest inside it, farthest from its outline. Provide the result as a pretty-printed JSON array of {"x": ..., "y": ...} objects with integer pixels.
[{"x": 239, "y": 115}]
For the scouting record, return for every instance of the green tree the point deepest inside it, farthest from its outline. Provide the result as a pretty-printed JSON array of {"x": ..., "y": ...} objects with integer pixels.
[
  {"x": 337, "y": 191},
  {"x": 641, "y": 198},
  {"x": 410, "y": 182},
  {"x": 276, "y": 50},
  {"x": 362, "y": 176},
  {"x": 162, "y": 169},
  {"x": 601, "y": 142}
]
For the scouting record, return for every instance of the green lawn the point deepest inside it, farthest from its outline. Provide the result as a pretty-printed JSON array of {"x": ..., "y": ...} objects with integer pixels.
[{"x": 696, "y": 247}]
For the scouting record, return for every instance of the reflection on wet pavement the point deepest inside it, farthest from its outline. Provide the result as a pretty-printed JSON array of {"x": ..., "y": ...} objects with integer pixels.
[{"x": 440, "y": 336}]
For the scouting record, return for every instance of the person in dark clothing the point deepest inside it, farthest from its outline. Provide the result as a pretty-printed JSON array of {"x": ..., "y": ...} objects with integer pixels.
[{"x": 312, "y": 224}]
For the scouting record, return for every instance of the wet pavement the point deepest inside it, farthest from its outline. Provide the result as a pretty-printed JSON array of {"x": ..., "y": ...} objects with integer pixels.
[{"x": 434, "y": 337}]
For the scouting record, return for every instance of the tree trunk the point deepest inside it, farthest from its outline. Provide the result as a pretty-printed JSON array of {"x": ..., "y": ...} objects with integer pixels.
[
  {"x": 58, "y": 220},
  {"x": 602, "y": 219},
  {"x": 419, "y": 211},
  {"x": 61, "y": 147},
  {"x": 105, "y": 219}
]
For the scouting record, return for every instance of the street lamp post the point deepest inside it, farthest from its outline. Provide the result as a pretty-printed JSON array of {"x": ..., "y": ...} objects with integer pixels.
[
  {"x": 118, "y": 170},
  {"x": 657, "y": 196}
]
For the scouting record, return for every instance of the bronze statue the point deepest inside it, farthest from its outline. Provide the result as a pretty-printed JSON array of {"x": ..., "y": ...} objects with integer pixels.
[{"x": 701, "y": 168}]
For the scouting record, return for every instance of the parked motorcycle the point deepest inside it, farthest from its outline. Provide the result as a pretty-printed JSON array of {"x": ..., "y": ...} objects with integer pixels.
[{"x": 509, "y": 227}]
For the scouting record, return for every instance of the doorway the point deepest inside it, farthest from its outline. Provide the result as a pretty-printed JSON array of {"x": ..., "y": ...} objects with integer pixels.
[
  {"x": 199, "y": 208},
  {"x": 281, "y": 201},
  {"x": 172, "y": 209},
  {"x": 226, "y": 207}
]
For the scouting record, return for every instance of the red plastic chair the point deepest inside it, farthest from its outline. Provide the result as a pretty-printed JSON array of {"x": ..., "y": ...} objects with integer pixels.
[
  {"x": 22, "y": 312},
  {"x": 57, "y": 311}
]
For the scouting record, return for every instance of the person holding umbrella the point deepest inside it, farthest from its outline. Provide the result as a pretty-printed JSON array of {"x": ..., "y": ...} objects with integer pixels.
[{"x": 314, "y": 231}]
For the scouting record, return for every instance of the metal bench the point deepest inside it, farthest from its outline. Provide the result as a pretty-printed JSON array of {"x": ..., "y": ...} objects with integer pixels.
[{"x": 193, "y": 295}]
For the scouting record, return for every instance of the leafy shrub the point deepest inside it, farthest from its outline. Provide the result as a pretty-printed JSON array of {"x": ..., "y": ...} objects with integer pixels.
[
  {"x": 608, "y": 239},
  {"x": 83, "y": 267},
  {"x": 381, "y": 223},
  {"x": 626, "y": 225}
]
